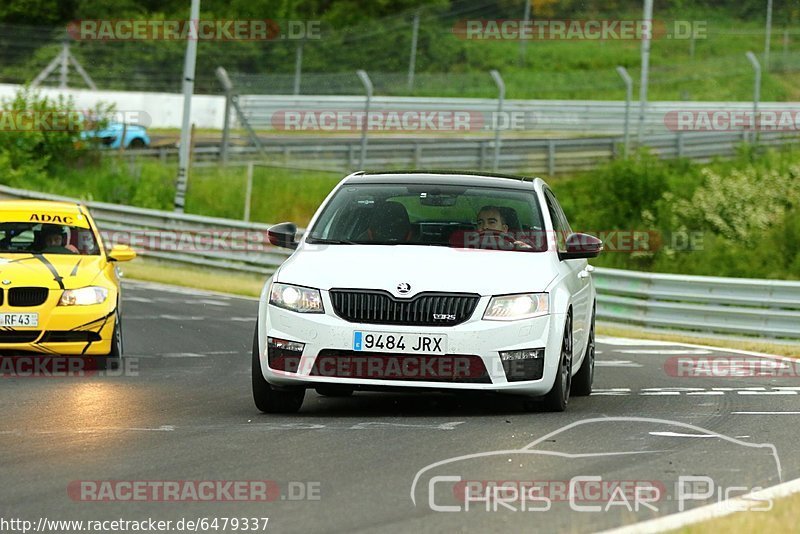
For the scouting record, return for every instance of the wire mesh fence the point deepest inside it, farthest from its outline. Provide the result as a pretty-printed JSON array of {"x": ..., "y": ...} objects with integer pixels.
[{"x": 418, "y": 52}]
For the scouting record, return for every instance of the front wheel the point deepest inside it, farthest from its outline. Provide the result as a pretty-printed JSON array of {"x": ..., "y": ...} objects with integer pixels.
[
  {"x": 267, "y": 398},
  {"x": 582, "y": 384},
  {"x": 558, "y": 397},
  {"x": 114, "y": 358}
]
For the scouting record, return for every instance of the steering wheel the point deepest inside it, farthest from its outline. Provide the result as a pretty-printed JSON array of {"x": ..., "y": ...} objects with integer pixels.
[{"x": 500, "y": 237}]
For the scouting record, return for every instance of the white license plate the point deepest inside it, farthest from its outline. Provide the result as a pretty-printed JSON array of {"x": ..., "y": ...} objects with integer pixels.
[
  {"x": 397, "y": 342},
  {"x": 19, "y": 319}
]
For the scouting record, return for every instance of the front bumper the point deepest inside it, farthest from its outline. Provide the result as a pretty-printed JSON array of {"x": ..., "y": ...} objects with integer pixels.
[
  {"x": 475, "y": 340},
  {"x": 62, "y": 330}
]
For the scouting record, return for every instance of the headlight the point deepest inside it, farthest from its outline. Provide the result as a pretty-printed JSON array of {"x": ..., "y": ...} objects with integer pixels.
[
  {"x": 296, "y": 298},
  {"x": 513, "y": 307},
  {"x": 83, "y": 296}
]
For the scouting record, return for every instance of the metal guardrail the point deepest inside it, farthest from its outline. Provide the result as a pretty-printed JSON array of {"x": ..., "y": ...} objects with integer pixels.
[
  {"x": 188, "y": 239},
  {"x": 534, "y": 156},
  {"x": 726, "y": 306},
  {"x": 585, "y": 116}
]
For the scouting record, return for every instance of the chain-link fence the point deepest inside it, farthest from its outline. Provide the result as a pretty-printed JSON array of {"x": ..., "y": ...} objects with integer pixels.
[{"x": 420, "y": 52}]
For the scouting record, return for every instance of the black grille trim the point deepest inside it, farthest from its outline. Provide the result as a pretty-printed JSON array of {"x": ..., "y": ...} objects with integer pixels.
[
  {"x": 67, "y": 336},
  {"x": 2, "y": 294},
  {"x": 27, "y": 296},
  {"x": 19, "y": 336},
  {"x": 381, "y": 307}
]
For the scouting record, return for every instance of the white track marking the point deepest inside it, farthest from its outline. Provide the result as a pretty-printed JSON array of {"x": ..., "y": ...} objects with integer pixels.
[
  {"x": 627, "y": 342},
  {"x": 680, "y": 352},
  {"x": 710, "y": 511},
  {"x": 680, "y": 435},
  {"x": 767, "y": 392},
  {"x": 616, "y": 363},
  {"x": 766, "y": 413},
  {"x": 212, "y": 302}
]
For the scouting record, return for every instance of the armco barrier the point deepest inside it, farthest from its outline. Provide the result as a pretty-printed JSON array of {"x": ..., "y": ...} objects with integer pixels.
[{"x": 725, "y": 306}]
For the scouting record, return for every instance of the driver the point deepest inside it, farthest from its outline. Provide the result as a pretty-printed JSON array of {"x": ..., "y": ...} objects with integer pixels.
[
  {"x": 54, "y": 238},
  {"x": 490, "y": 219}
]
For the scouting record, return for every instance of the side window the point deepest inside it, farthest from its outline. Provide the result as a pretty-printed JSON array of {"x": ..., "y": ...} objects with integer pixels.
[{"x": 560, "y": 224}]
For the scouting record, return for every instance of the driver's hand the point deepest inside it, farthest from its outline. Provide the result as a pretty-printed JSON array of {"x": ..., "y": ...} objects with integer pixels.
[{"x": 522, "y": 244}]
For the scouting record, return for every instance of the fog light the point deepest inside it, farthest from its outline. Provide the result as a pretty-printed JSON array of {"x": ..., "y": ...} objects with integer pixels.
[
  {"x": 282, "y": 344},
  {"x": 524, "y": 354},
  {"x": 524, "y": 364}
]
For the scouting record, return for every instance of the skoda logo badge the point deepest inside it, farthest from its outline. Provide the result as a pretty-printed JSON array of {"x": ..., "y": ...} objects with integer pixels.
[
  {"x": 6, "y": 282},
  {"x": 403, "y": 288}
]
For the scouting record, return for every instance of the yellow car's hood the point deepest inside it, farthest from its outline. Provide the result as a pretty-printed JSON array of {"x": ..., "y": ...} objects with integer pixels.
[{"x": 54, "y": 271}]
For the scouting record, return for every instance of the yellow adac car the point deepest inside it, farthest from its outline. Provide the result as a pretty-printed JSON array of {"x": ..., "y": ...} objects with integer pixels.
[{"x": 59, "y": 287}]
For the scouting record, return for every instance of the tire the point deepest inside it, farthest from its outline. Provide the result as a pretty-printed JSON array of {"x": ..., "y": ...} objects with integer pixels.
[
  {"x": 268, "y": 399},
  {"x": 558, "y": 397},
  {"x": 582, "y": 381},
  {"x": 114, "y": 358},
  {"x": 334, "y": 391},
  {"x": 137, "y": 142}
]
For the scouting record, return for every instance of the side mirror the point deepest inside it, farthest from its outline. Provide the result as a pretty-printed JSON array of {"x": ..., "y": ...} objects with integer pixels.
[
  {"x": 581, "y": 246},
  {"x": 282, "y": 235},
  {"x": 121, "y": 253}
]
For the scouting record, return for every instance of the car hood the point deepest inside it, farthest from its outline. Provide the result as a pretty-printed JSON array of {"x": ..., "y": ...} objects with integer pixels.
[
  {"x": 424, "y": 268},
  {"x": 45, "y": 270}
]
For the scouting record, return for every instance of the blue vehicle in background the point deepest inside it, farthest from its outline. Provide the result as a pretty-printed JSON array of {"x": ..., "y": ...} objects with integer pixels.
[{"x": 111, "y": 136}]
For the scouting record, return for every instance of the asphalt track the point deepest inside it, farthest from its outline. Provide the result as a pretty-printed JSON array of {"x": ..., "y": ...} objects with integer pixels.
[{"x": 389, "y": 462}]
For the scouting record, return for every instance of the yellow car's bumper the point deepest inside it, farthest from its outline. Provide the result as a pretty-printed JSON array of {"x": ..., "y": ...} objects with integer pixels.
[{"x": 63, "y": 330}]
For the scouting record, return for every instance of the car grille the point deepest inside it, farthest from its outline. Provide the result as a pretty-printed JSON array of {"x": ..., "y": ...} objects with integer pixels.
[
  {"x": 19, "y": 336},
  {"x": 380, "y": 307},
  {"x": 460, "y": 368},
  {"x": 65, "y": 336},
  {"x": 27, "y": 296},
  {"x": 2, "y": 294}
]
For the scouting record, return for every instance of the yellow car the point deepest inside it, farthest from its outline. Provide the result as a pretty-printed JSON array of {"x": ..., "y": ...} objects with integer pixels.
[{"x": 59, "y": 287}]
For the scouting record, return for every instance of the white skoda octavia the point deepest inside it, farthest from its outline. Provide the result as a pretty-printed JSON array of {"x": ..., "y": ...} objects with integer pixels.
[{"x": 448, "y": 281}]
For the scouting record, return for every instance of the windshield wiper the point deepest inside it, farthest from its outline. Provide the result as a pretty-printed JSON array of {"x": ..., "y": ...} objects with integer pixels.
[{"x": 332, "y": 241}]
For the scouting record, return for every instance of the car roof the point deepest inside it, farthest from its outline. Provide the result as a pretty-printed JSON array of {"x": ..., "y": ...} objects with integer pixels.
[
  {"x": 39, "y": 205},
  {"x": 465, "y": 178}
]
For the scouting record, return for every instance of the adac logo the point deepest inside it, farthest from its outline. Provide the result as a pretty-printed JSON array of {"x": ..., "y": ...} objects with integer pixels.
[{"x": 45, "y": 218}]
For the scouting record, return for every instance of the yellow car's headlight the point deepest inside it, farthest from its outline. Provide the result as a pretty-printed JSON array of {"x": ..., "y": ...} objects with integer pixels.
[
  {"x": 513, "y": 307},
  {"x": 83, "y": 296}
]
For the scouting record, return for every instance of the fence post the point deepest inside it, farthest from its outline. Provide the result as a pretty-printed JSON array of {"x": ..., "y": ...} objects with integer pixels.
[
  {"x": 412, "y": 61},
  {"x": 648, "y": 20},
  {"x": 526, "y": 16},
  {"x": 551, "y": 157},
  {"x": 298, "y": 67},
  {"x": 756, "y": 93},
  {"x": 628, "y": 96},
  {"x": 501, "y": 95},
  {"x": 364, "y": 77},
  {"x": 248, "y": 191}
]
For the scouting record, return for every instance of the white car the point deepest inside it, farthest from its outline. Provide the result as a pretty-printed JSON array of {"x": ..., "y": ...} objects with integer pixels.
[{"x": 446, "y": 281}]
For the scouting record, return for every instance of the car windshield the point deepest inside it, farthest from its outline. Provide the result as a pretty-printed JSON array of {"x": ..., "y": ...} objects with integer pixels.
[
  {"x": 432, "y": 215},
  {"x": 43, "y": 238}
]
